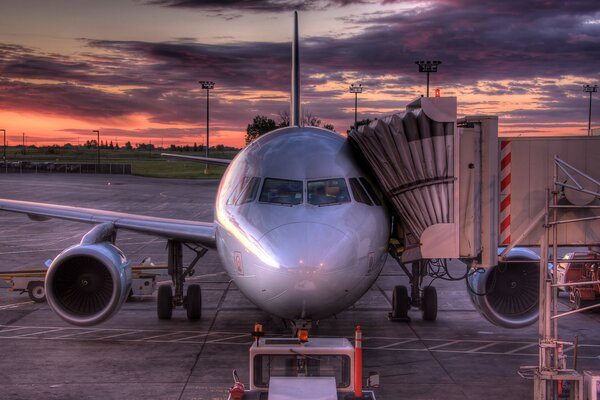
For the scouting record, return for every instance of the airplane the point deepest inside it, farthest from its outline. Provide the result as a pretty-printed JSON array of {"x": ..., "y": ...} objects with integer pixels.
[{"x": 298, "y": 227}]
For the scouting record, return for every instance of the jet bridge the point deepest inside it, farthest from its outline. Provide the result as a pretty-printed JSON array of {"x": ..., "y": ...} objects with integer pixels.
[
  {"x": 413, "y": 157},
  {"x": 459, "y": 191}
]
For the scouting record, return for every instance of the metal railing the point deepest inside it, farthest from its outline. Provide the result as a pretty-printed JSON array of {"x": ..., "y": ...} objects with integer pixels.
[{"x": 24, "y": 167}]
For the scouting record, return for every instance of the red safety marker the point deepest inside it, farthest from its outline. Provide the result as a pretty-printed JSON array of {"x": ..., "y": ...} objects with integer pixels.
[
  {"x": 358, "y": 363},
  {"x": 236, "y": 392}
]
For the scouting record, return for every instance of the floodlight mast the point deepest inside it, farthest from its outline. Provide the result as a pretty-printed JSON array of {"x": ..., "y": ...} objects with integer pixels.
[
  {"x": 208, "y": 85},
  {"x": 4, "y": 144},
  {"x": 356, "y": 89},
  {"x": 98, "y": 146},
  {"x": 428, "y": 66},
  {"x": 590, "y": 89}
]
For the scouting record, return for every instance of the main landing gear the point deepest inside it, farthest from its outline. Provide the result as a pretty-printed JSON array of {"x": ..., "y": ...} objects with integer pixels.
[
  {"x": 423, "y": 298},
  {"x": 192, "y": 301}
]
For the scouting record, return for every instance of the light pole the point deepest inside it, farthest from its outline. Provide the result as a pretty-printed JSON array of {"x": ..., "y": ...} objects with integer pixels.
[
  {"x": 590, "y": 89},
  {"x": 428, "y": 66},
  {"x": 4, "y": 144},
  {"x": 98, "y": 146},
  {"x": 356, "y": 89},
  {"x": 208, "y": 85}
]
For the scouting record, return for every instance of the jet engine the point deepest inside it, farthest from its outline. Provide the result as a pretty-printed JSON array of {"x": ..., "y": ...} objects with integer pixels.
[
  {"x": 87, "y": 283},
  {"x": 507, "y": 294}
]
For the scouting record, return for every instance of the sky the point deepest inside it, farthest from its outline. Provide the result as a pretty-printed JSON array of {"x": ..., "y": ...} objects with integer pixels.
[{"x": 130, "y": 68}]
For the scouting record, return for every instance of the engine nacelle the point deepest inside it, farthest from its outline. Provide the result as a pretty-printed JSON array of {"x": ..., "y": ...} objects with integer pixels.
[
  {"x": 507, "y": 294},
  {"x": 87, "y": 283}
]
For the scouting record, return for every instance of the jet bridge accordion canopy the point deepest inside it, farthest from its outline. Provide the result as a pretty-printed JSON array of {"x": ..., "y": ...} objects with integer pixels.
[{"x": 412, "y": 156}]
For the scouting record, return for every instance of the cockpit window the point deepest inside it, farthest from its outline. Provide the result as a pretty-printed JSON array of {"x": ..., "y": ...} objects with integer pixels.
[
  {"x": 249, "y": 192},
  {"x": 328, "y": 191},
  {"x": 359, "y": 193},
  {"x": 282, "y": 191},
  {"x": 245, "y": 192},
  {"x": 370, "y": 190}
]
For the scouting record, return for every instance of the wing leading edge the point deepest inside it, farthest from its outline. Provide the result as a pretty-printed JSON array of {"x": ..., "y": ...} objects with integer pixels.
[{"x": 176, "y": 229}]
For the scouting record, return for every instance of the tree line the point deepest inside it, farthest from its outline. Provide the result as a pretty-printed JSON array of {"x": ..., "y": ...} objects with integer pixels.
[{"x": 262, "y": 124}]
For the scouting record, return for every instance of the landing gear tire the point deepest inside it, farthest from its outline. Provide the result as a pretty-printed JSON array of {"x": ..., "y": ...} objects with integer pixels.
[
  {"x": 429, "y": 304},
  {"x": 164, "y": 303},
  {"x": 579, "y": 302},
  {"x": 194, "y": 302},
  {"x": 400, "y": 302},
  {"x": 36, "y": 291}
]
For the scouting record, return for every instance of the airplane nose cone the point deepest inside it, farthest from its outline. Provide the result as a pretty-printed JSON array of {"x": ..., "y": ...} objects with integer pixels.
[
  {"x": 309, "y": 247},
  {"x": 317, "y": 270}
]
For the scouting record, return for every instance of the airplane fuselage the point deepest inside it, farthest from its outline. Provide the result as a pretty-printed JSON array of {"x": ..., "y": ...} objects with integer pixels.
[{"x": 298, "y": 228}]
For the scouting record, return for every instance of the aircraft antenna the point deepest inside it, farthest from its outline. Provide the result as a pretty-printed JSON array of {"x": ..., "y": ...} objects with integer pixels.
[{"x": 295, "y": 106}]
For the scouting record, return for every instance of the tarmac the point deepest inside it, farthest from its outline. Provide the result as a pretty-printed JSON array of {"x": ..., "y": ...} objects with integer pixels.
[{"x": 136, "y": 356}]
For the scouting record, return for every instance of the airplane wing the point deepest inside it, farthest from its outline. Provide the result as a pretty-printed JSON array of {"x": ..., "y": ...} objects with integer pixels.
[
  {"x": 176, "y": 229},
  {"x": 205, "y": 160}
]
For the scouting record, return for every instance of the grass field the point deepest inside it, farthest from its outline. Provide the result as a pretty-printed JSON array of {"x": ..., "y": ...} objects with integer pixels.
[{"x": 143, "y": 162}]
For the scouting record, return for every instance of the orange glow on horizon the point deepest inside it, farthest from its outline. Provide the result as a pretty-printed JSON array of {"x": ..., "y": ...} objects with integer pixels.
[{"x": 43, "y": 130}]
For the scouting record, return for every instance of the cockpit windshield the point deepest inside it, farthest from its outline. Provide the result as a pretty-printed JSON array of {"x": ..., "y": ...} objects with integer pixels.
[
  {"x": 327, "y": 191},
  {"x": 282, "y": 191}
]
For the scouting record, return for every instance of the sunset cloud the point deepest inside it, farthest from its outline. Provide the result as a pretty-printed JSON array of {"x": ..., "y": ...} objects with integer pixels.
[{"x": 525, "y": 61}]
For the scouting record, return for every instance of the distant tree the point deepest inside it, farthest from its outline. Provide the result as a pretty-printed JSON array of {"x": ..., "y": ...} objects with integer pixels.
[
  {"x": 259, "y": 126},
  {"x": 219, "y": 147},
  {"x": 309, "y": 119},
  {"x": 111, "y": 146},
  {"x": 68, "y": 146},
  {"x": 117, "y": 146},
  {"x": 144, "y": 146},
  {"x": 284, "y": 119},
  {"x": 195, "y": 147},
  {"x": 365, "y": 121},
  {"x": 128, "y": 146},
  {"x": 52, "y": 149},
  {"x": 329, "y": 126}
]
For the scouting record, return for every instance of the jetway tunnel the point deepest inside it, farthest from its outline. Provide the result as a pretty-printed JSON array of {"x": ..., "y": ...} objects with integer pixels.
[{"x": 458, "y": 191}]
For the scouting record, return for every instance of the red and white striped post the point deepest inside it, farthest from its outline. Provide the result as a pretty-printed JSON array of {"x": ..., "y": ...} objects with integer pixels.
[
  {"x": 358, "y": 363},
  {"x": 505, "y": 161}
]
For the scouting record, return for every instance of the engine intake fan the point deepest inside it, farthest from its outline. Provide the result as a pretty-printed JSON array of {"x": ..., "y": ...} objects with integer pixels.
[
  {"x": 87, "y": 283},
  {"x": 507, "y": 294}
]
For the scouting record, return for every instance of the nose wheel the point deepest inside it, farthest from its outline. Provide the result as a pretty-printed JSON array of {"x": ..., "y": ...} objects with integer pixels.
[
  {"x": 400, "y": 304},
  {"x": 424, "y": 299}
]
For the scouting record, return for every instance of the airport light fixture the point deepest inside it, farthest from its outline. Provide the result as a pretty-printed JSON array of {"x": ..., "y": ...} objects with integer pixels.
[
  {"x": 590, "y": 89},
  {"x": 356, "y": 89},
  {"x": 428, "y": 66},
  {"x": 208, "y": 85},
  {"x": 98, "y": 145}
]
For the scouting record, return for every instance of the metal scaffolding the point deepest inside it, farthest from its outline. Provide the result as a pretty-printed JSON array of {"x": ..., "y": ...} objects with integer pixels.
[{"x": 552, "y": 371}]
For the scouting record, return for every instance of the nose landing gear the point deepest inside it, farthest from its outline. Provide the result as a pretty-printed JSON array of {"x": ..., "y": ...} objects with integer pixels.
[{"x": 424, "y": 299}]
